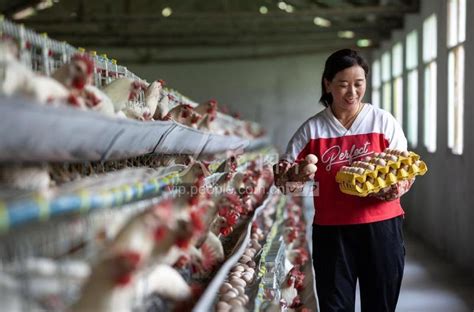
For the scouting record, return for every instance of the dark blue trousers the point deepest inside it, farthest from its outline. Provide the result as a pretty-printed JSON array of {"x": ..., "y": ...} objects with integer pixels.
[{"x": 373, "y": 253}]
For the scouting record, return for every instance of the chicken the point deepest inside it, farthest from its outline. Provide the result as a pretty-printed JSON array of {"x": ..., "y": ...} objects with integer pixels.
[
  {"x": 193, "y": 172},
  {"x": 205, "y": 124},
  {"x": 208, "y": 112},
  {"x": 161, "y": 112},
  {"x": 98, "y": 101},
  {"x": 14, "y": 76},
  {"x": 76, "y": 74},
  {"x": 207, "y": 256},
  {"x": 153, "y": 95},
  {"x": 48, "y": 91},
  {"x": 110, "y": 286},
  {"x": 17, "y": 79},
  {"x": 208, "y": 108},
  {"x": 230, "y": 207},
  {"x": 121, "y": 91},
  {"x": 144, "y": 231},
  {"x": 297, "y": 256},
  {"x": 144, "y": 112},
  {"x": 184, "y": 114},
  {"x": 138, "y": 112},
  {"x": 289, "y": 289},
  {"x": 164, "y": 281}
]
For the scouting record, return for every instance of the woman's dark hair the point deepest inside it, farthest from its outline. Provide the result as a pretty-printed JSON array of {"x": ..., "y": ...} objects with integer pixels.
[{"x": 336, "y": 62}]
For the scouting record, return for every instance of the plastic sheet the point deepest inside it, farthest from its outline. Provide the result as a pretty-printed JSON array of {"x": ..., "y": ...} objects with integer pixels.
[{"x": 35, "y": 133}]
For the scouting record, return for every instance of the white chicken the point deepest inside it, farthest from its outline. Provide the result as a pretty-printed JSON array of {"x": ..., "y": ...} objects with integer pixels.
[
  {"x": 121, "y": 91},
  {"x": 144, "y": 231},
  {"x": 76, "y": 74},
  {"x": 13, "y": 75},
  {"x": 110, "y": 286},
  {"x": 153, "y": 95},
  {"x": 193, "y": 172},
  {"x": 138, "y": 112},
  {"x": 205, "y": 258},
  {"x": 164, "y": 281},
  {"x": 17, "y": 79},
  {"x": 184, "y": 114},
  {"x": 163, "y": 106},
  {"x": 48, "y": 91},
  {"x": 289, "y": 291},
  {"x": 98, "y": 101},
  {"x": 208, "y": 108}
]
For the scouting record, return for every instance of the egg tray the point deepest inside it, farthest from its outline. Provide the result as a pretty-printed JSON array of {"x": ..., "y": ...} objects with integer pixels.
[{"x": 372, "y": 181}]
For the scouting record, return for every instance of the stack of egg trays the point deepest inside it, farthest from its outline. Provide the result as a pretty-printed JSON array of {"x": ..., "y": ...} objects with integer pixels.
[{"x": 372, "y": 181}]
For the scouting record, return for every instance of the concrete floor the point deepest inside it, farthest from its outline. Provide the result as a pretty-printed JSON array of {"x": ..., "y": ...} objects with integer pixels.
[{"x": 431, "y": 284}]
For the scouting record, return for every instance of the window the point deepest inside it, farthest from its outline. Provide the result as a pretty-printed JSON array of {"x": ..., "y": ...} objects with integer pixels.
[
  {"x": 397, "y": 70},
  {"x": 386, "y": 85},
  {"x": 376, "y": 83},
  {"x": 455, "y": 43},
  {"x": 412, "y": 87},
  {"x": 429, "y": 62}
]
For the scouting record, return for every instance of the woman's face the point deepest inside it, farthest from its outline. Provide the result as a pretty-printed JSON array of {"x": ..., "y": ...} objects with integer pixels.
[{"x": 347, "y": 87}]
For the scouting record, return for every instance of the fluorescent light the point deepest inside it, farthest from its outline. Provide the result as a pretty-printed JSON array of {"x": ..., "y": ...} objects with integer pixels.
[
  {"x": 282, "y": 5},
  {"x": 319, "y": 21},
  {"x": 25, "y": 13},
  {"x": 166, "y": 12},
  {"x": 289, "y": 8},
  {"x": 348, "y": 34},
  {"x": 364, "y": 43},
  {"x": 263, "y": 10},
  {"x": 44, "y": 5}
]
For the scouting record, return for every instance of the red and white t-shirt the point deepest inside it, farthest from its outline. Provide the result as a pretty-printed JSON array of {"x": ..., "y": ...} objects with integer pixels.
[{"x": 323, "y": 135}]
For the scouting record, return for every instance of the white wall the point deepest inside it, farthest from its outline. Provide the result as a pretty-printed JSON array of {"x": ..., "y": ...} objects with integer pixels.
[
  {"x": 280, "y": 93},
  {"x": 440, "y": 205}
]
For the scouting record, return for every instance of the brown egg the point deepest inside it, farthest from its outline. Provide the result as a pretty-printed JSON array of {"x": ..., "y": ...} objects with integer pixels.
[
  {"x": 238, "y": 268},
  {"x": 223, "y": 306},
  {"x": 225, "y": 287}
]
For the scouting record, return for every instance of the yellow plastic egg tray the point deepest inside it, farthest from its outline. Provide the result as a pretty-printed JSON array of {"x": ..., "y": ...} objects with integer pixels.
[{"x": 372, "y": 181}]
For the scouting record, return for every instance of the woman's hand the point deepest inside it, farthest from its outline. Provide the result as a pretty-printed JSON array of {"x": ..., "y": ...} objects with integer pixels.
[
  {"x": 394, "y": 191},
  {"x": 291, "y": 177}
]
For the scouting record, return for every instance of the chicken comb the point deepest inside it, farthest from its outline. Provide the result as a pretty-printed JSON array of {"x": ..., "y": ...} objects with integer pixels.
[
  {"x": 159, "y": 233},
  {"x": 226, "y": 230},
  {"x": 296, "y": 302},
  {"x": 162, "y": 82},
  {"x": 196, "y": 221},
  {"x": 87, "y": 60},
  {"x": 73, "y": 100}
]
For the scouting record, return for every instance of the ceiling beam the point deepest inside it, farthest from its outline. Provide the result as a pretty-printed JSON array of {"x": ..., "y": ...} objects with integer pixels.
[
  {"x": 387, "y": 11},
  {"x": 173, "y": 29},
  {"x": 210, "y": 41},
  {"x": 208, "y": 55}
]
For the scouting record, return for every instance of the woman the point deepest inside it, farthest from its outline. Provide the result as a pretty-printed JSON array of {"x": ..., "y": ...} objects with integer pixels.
[{"x": 354, "y": 238}]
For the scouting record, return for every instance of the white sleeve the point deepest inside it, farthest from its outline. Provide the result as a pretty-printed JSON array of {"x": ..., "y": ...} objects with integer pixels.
[
  {"x": 297, "y": 143},
  {"x": 394, "y": 134}
]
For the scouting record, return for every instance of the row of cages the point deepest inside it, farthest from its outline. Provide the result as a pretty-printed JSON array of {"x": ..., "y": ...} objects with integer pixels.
[{"x": 44, "y": 55}]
